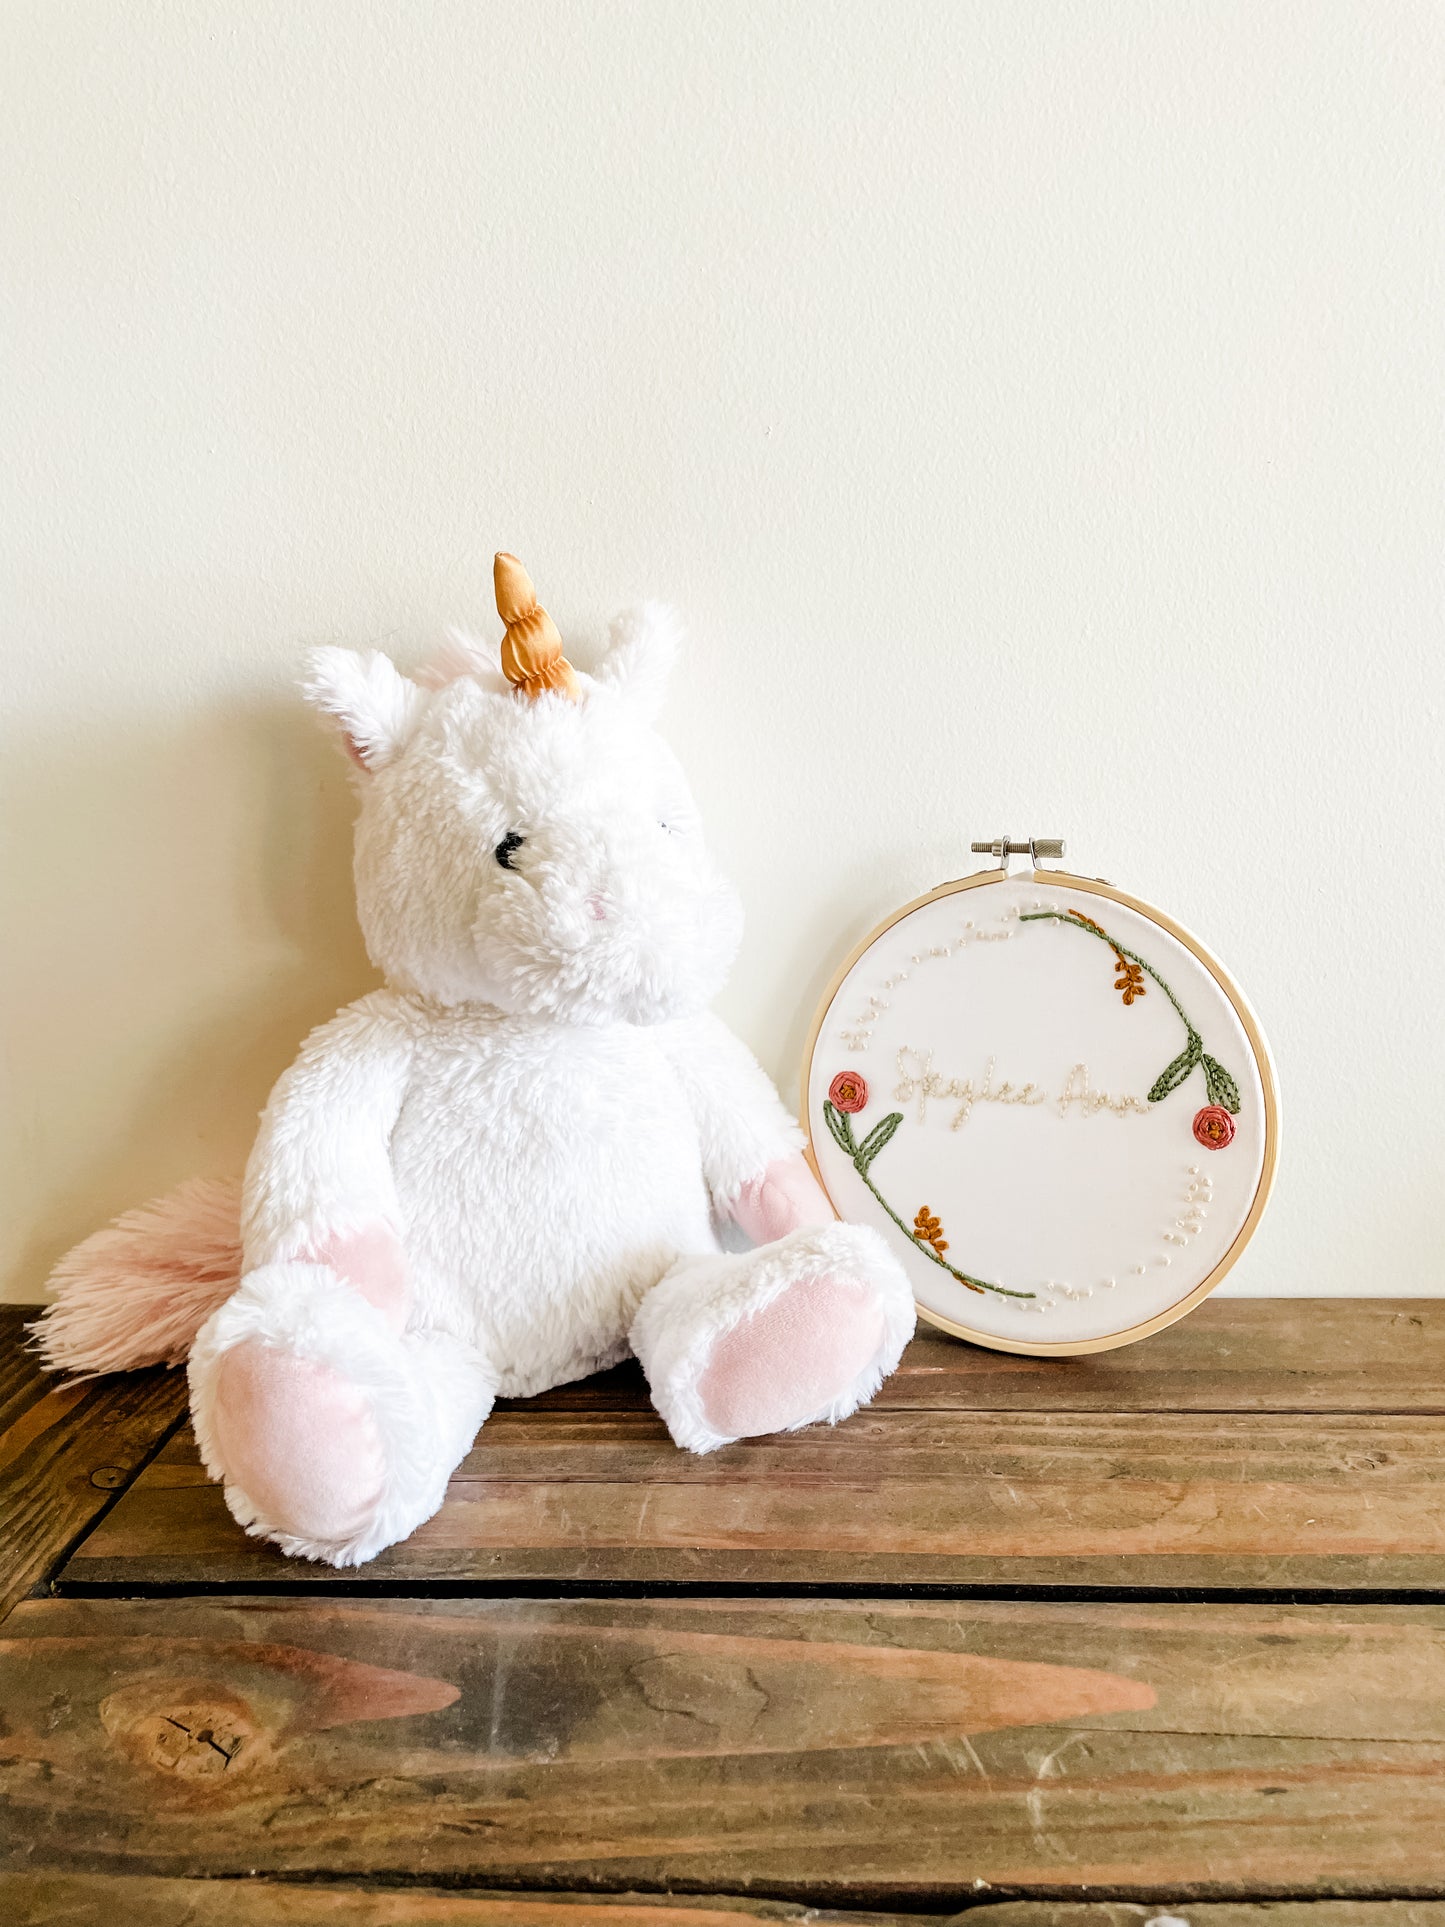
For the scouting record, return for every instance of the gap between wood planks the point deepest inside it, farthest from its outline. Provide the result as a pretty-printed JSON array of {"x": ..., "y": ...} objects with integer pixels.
[
  {"x": 88, "y": 1900},
  {"x": 360, "y": 1587},
  {"x": 106, "y": 1506},
  {"x": 498, "y": 1905}
]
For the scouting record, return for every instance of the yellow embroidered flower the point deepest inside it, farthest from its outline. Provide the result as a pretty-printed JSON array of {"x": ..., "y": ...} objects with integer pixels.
[
  {"x": 1130, "y": 980},
  {"x": 928, "y": 1230}
]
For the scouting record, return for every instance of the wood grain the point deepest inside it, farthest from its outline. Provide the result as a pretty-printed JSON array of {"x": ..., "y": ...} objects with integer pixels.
[
  {"x": 65, "y": 1450},
  {"x": 1277, "y": 1913},
  {"x": 98, "y": 1900},
  {"x": 888, "y": 1498},
  {"x": 870, "y": 1754},
  {"x": 1231, "y": 1355}
]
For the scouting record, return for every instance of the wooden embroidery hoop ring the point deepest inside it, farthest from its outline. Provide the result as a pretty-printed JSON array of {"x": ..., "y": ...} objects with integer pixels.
[{"x": 1095, "y": 887}]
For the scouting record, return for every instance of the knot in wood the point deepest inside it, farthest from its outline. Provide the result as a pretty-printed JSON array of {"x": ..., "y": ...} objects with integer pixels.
[{"x": 194, "y": 1737}]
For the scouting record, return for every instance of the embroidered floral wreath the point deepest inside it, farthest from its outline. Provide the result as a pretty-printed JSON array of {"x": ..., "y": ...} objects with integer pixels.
[{"x": 1213, "y": 1125}]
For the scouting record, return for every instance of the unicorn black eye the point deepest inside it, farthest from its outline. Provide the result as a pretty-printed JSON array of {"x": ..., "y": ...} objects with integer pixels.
[{"x": 508, "y": 848}]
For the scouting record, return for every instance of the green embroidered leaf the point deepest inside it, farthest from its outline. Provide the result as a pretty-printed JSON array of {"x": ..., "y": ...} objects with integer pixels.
[
  {"x": 1173, "y": 1075},
  {"x": 840, "y": 1127},
  {"x": 877, "y": 1138},
  {"x": 1222, "y": 1087}
]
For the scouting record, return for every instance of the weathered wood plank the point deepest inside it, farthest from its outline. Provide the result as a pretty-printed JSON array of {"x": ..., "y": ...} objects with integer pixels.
[
  {"x": 105, "y": 1900},
  {"x": 100, "y": 1900},
  {"x": 1231, "y": 1355},
  {"x": 888, "y": 1498},
  {"x": 65, "y": 1450},
  {"x": 1268, "y": 1913},
  {"x": 856, "y": 1754}
]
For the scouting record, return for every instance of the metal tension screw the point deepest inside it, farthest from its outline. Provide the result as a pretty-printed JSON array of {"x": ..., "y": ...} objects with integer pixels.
[{"x": 1037, "y": 846}]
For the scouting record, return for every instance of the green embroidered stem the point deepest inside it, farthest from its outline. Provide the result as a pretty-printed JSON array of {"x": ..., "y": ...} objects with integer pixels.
[
  {"x": 1067, "y": 916},
  {"x": 1220, "y": 1085},
  {"x": 863, "y": 1155}
]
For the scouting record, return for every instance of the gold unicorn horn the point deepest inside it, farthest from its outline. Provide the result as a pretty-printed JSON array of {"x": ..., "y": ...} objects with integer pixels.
[{"x": 532, "y": 658}]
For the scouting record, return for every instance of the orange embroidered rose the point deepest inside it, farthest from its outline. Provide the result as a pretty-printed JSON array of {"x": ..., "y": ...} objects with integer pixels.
[
  {"x": 1214, "y": 1127},
  {"x": 848, "y": 1093}
]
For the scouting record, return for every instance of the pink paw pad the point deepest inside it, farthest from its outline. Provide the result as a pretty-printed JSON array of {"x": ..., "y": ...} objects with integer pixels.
[
  {"x": 298, "y": 1439},
  {"x": 373, "y": 1261},
  {"x": 787, "y": 1197},
  {"x": 791, "y": 1359}
]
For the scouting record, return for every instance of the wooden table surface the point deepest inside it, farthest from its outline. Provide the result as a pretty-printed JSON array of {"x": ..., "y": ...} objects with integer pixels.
[{"x": 1073, "y": 1642}]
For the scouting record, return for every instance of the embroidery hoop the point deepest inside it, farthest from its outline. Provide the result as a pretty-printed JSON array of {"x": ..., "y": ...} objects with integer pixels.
[{"x": 1065, "y": 883}]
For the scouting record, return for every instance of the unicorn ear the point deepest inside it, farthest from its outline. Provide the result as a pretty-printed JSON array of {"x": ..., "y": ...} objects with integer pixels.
[
  {"x": 369, "y": 697},
  {"x": 460, "y": 657},
  {"x": 641, "y": 649}
]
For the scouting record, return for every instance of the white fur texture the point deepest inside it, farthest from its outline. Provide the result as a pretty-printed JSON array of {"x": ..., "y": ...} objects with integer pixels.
[
  {"x": 642, "y": 647},
  {"x": 376, "y": 706},
  {"x": 538, "y": 1105}
]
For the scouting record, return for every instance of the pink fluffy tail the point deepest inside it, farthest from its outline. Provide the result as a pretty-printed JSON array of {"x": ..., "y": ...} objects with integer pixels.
[{"x": 137, "y": 1292}]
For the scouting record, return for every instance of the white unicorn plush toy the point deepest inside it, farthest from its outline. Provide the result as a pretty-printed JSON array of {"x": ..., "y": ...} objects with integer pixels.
[{"x": 510, "y": 1166}]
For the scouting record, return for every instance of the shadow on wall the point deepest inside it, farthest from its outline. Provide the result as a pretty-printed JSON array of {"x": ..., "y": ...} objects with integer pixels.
[{"x": 182, "y": 914}]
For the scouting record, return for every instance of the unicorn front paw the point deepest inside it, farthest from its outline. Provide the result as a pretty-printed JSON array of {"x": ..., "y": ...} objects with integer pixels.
[
  {"x": 332, "y": 1436},
  {"x": 801, "y": 1332}
]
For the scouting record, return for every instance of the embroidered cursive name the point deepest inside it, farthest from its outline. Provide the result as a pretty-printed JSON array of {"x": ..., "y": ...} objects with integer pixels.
[
  {"x": 917, "y": 1078},
  {"x": 1090, "y": 1102},
  {"x": 918, "y": 1082}
]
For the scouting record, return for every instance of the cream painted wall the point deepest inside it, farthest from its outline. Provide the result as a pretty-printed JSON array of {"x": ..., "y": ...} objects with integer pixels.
[{"x": 1036, "y": 410}]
